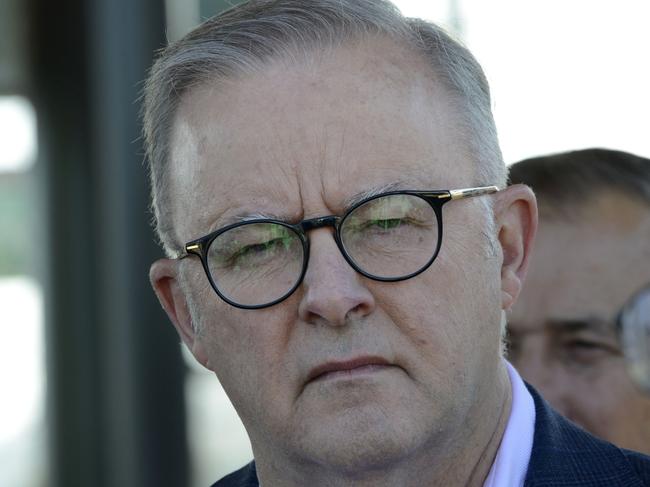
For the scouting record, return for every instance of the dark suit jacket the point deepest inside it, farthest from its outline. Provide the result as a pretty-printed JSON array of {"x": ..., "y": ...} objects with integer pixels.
[{"x": 563, "y": 456}]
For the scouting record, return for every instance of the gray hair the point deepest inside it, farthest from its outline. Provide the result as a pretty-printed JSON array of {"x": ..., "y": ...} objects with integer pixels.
[{"x": 245, "y": 38}]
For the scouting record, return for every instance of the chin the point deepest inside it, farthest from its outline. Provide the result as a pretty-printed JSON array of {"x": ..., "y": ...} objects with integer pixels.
[{"x": 358, "y": 439}]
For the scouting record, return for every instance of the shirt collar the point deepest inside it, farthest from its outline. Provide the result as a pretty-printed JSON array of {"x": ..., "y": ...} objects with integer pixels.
[{"x": 511, "y": 462}]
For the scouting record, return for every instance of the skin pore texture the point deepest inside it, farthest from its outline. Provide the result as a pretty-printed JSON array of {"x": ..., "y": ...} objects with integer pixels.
[
  {"x": 298, "y": 140},
  {"x": 563, "y": 338}
]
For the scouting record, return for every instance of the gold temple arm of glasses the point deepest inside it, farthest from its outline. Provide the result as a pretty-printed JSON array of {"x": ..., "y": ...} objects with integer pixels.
[
  {"x": 189, "y": 251},
  {"x": 458, "y": 194}
]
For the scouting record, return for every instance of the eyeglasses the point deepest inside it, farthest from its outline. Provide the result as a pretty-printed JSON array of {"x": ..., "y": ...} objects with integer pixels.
[
  {"x": 388, "y": 237},
  {"x": 633, "y": 323}
]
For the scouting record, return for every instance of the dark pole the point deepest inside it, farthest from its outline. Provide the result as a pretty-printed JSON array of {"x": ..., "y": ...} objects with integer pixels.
[
  {"x": 115, "y": 376},
  {"x": 61, "y": 100}
]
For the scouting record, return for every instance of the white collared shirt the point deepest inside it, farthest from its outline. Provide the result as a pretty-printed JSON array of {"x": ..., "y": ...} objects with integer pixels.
[{"x": 511, "y": 463}]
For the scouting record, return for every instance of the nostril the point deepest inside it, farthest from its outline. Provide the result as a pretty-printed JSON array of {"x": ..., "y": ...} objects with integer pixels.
[
  {"x": 332, "y": 289},
  {"x": 335, "y": 305},
  {"x": 359, "y": 310}
]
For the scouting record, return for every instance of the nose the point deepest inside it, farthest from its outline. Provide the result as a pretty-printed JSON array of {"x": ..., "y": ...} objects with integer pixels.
[{"x": 333, "y": 292}]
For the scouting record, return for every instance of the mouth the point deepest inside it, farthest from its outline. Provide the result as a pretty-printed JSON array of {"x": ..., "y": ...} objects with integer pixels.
[{"x": 348, "y": 368}]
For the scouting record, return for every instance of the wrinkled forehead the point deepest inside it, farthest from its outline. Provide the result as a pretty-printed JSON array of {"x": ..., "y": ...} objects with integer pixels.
[{"x": 295, "y": 138}]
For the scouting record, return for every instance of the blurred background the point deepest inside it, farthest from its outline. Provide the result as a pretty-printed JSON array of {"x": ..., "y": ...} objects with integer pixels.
[{"x": 96, "y": 389}]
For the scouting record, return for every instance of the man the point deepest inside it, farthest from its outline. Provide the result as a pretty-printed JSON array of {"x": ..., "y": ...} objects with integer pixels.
[
  {"x": 592, "y": 255},
  {"x": 301, "y": 155}
]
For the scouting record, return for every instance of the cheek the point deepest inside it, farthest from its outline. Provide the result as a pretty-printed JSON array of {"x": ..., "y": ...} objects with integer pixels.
[
  {"x": 471, "y": 288},
  {"x": 602, "y": 393},
  {"x": 455, "y": 304},
  {"x": 446, "y": 312},
  {"x": 248, "y": 351}
]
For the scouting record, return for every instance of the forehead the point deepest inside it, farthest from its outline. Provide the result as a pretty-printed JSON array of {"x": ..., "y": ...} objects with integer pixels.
[
  {"x": 589, "y": 265},
  {"x": 296, "y": 138}
]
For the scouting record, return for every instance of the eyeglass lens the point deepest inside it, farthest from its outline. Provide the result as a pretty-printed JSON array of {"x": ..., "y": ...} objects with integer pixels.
[
  {"x": 391, "y": 236},
  {"x": 257, "y": 263},
  {"x": 387, "y": 237},
  {"x": 635, "y": 321}
]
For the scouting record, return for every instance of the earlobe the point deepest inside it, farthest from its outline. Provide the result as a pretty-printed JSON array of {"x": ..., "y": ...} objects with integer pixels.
[
  {"x": 516, "y": 219},
  {"x": 163, "y": 275}
]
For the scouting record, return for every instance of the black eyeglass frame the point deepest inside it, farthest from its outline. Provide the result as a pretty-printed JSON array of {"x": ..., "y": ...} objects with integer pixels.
[{"x": 435, "y": 198}]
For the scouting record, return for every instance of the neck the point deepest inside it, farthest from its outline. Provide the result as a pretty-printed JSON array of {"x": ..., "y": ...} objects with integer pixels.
[
  {"x": 489, "y": 452},
  {"x": 466, "y": 462}
]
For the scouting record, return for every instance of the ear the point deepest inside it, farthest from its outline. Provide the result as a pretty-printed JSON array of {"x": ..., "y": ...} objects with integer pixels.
[
  {"x": 515, "y": 213},
  {"x": 165, "y": 282}
]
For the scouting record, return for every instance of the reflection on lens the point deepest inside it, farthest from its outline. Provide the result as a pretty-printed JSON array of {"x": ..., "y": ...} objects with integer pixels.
[
  {"x": 635, "y": 334},
  {"x": 257, "y": 263},
  {"x": 391, "y": 236}
]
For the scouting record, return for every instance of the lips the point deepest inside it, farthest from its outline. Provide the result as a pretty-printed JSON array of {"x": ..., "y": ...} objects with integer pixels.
[{"x": 357, "y": 364}]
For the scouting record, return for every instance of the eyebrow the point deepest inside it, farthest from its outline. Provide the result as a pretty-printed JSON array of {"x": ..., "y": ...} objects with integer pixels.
[
  {"x": 242, "y": 217},
  {"x": 374, "y": 191},
  {"x": 576, "y": 325}
]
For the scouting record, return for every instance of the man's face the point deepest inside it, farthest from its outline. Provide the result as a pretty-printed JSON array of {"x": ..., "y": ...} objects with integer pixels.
[
  {"x": 562, "y": 330},
  {"x": 297, "y": 142}
]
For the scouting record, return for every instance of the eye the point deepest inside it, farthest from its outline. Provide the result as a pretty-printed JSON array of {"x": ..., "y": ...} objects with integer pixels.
[
  {"x": 258, "y": 250},
  {"x": 388, "y": 212},
  {"x": 588, "y": 352},
  {"x": 251, "y": 246},
  {"x": 386, "y": 224},
  {"x": 390, "y": 223},
  {"x": 584, "y": 345}
]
